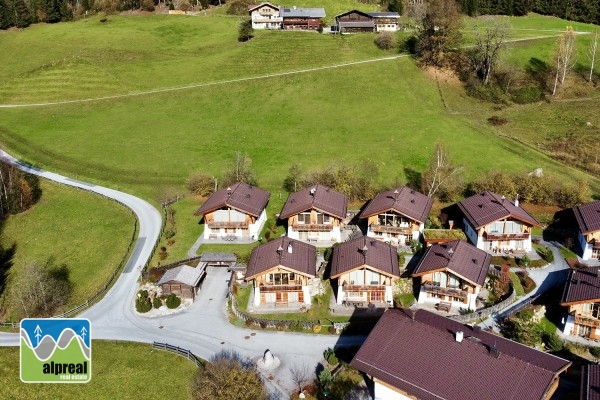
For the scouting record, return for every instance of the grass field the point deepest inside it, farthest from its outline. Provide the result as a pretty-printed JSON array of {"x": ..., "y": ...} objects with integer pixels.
[
  {"x": 87, "y": 233},
  {"x": 119, "y": 370}
]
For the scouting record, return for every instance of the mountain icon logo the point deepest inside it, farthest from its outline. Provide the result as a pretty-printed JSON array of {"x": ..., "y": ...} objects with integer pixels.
[{"x": 56, "y": 350}]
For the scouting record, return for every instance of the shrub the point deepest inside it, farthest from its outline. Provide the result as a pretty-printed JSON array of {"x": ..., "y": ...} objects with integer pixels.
[
  {"x": 173, "y": 301},
  {"x": 168, "y": 234},
  {"x": 491, "y": 93},
  {"x": 157, "y": 302},
  {"x": 245, "y": 30},
  {"x": 142, "y": 303},
  {"x": 385, "y": 40},
  {"x": 548, "y": 254},
  {"x": 495, "y": 120},
  {"x": 200, "y": 184},
  {"x": 249, "y": 322},
  {"x": 325, "y": 377},
  {"x": 148, "y": 5},
  {"x": 331, "y": 330},
  {"x": 410, "y": 45},
  {"x": 595, "y": 351},
  {"x": 316, "y": 328},
  {"x": 525, "y": 260},
  {"x": 330, "y": 356},
  {"x": 239, "y": 7},
  {"x": 527, "y": 94},
  {"x": 553, "y": 342}
]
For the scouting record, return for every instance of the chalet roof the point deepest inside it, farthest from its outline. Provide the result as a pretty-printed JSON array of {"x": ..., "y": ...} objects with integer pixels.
[
  {"x": 218, "y": 257},
  {"x": 590, "y": 382},
  {"x": 588, "y": 217},
  {"x": 582, "y": 285},
  {"x": 356, "y": 24},
  {"x": 403, "y": 200},
  {"x": 252, "y": 7},
  {"x": 364, "y": 14},
  {"x": 316, "y": 197},
  {"x": 483, "y": 365},
  {"x": 486, "y": 207},
  {"x": 459, "y": 257},
  {"x": 384, "y": 14},
  {"x": 303, "y": 12},
  {"x": 302, "y": 258},
  {"x": 378, "y": 255},
  {"x": 183, "y": 274},
  {"x": 240, "y": 196}
]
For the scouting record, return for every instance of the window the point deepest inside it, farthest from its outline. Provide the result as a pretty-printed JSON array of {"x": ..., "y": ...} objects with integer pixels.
[
  {"x": 304, "y": 218},
  {"x": 454, "y": 282},
  {"x": 372, "y": 277},
  {"x": 357, "y": 277},
  {"x": 439, "y": 278},
  {"x": 323, "y": 218},
  {"x": 595, "y": 310}
]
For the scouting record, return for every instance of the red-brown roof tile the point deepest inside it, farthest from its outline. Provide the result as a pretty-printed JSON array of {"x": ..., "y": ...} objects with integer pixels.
[
  {"x": 588, "y": 217},
  {"x": 241, "y": 196},
  {"x": 316, "y": 197},
  {"x": 302, "y": 258},
  {"x": 350, "y": 255},
  {"x": 486, "y": 207},
  {"x": 590, "y": 382},
  {"x": 403, "y": 200},
  {"x": 421, "y": 357},
  {"x": 582, "y": 285},
  {"x": 459, "y": 257}
]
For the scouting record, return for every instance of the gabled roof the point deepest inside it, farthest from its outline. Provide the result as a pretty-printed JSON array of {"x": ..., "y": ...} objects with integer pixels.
[
  {"x": 316, "y": 197},
  {"x": 378, "y": 256},
  {"x": 252, "y": 7},
  {"x": 458, "y": 257},
  {"x": 303, "y": 12},
  {"x": 403, "y": 200},
  {"x": 364, "y": 14},
  {"x": 588, "y": 217},
  {"x": 301, "y": 259},
  {"x": 183, "y": 274},
  {"x": 590, "y": 382},
  {"x": 240, "y": 196},
  {"x": 384, "y": 14},
  {"x": 581, "y": 286},
  {"x": 420, "y": 356},
  {"x": 486, "y": 207}
]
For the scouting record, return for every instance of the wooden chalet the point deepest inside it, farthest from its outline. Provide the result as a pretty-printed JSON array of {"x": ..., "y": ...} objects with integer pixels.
[
  {"x": 421, "y": 355},
  {"x": 237, "y": 212},
  {"x": 385, "y": 21},
  {"x": 581, "y": 295},
  {"x": 494, "y": 223},
  {"x": 452, "y": 274},
  {"x": 315, "y": 214},
  {"x": 184, "y": 281},
  {"x": 365, "y": 270},
  {"x": 280, "y": 271},
  {"x": 354, "y": 21},
  {"x": 265, "y": 16},
  {"x": 296, "y": 18},
  {"x": 588, "y": 221},
  {"x": 397, "y": 216}
]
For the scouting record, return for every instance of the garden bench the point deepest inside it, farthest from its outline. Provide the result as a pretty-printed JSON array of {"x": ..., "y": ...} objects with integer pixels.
[{"x": 444, "y": 306}]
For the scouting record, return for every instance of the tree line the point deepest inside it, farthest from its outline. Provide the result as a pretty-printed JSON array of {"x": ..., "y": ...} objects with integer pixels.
[{"x": 18, "y": 190}]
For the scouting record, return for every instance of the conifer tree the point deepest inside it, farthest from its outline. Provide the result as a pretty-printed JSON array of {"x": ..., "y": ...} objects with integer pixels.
[
  {"x": 22, "y": 16},
  {"x": 5, "y": 15}
]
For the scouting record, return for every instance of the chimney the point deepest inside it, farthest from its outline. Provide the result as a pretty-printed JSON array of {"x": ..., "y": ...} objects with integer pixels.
[
  {"x": 290, "y": 248},
  {"x": 517, "y": 200},
  {"x": 459, "y": 336},
  {"x": 451, "y": 224},
  {"x": 396, "y": 193},
  {"x": 494, "y": 352},
  {"x": 312, "y": 191},
  {"x": 228, "y": 192}
]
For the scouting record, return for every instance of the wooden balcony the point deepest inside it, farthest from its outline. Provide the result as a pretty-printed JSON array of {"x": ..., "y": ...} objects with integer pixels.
[
  {"x": 281, "y": 288},
  {"x": 506, "y": 236},
  {"x": 363, "y": 288},
  {"x": 268, "y": 20},
  {"x": 228, "y": 225},
  {"x": 313, "y": 227},
  {"x": 454, "y": 292},
  {"x": 391, "y": 229},
  {"x": 587, "y": 321}
]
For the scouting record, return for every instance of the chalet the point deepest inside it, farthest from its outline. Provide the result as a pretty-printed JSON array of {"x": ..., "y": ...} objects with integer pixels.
[
  {"x": 365, "y": 270},
  {"x": 397, "y": 216},
  {"x": 588, "y": 221},
  {"x": 494, "y": 223},
  {"x": 354, "y": 21},
  {"x": 235, "y": 212},
  {"x": 265, "y": 16},
  {"x": 183, "y": 281},
  {"x": 421, "y": 355},
  {"x": 280, "y": 271},
  {"x": 452, "y": 273},
  {"x": 590, "y": 382},
  {"x": 315, "y": 214},
  {"x": 296, "y": 18},
  {"x": 385, "y": 21},
  {"x": 581, "y": 295}
]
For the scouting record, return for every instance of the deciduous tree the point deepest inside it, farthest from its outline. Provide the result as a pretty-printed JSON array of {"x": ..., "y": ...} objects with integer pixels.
[
  {"x": 592, "y": 52},
  {"x": 488, "y": 42},
  {"x": 440, "y": 32},
  {"x": 301, "y": 375},
  {"x": 441, "y": 174},
  {"x": 240, "y": 170},
  {"x": 565, "y": 57}
]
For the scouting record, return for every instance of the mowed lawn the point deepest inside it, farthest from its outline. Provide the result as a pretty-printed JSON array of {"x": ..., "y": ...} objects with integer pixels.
[
  {"x": 88, "y": 233},
  {"x": 120, "y": 370}
]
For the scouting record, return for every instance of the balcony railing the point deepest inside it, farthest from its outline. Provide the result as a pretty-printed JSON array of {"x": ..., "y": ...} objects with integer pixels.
[
  {"x": 454, "y": 292},
  {"x": 266, "y": 19},
  {"x": 363, "y": 288},
  {"x": 227, "y": 224},
  {"x": 391, "y": 229},
  {"x": 587, "y": 321},
  {"x": 506, "y": 236},
  {"x": 280, "y": 288},
  {"x": 313, "y": 227}
]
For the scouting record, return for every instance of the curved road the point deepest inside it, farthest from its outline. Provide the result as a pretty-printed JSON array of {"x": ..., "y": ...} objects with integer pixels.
[{"x": 203, "y": 327}]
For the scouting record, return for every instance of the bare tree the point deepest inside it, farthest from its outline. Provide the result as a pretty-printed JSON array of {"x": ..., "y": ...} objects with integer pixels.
[
  {"x": 240, "y": 170},
  {"x": 592, "y": 50},
  {"x": 301, "y": 375},
  {"x": 565, "y": 57},
  {"x": 440, "y": 173},
  {"x": 416, "y": 10},
  {"x": 488, "y": 43}
]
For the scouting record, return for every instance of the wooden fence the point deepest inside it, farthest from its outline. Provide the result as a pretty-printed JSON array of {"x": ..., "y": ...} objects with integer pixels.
[{"x": 179, "y": 351}]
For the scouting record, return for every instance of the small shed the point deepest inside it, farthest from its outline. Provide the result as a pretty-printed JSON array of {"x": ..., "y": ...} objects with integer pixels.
[{"x": 183, "y": 281}]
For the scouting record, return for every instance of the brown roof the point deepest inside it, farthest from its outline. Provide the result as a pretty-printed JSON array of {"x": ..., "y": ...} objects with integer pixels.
[
  {"x": 590, "y": 382},
  {"x": 252, "y": 7},
  {"x": 302, "y": 258},
  {"x": 240, "y": 196},
  {"x": 486, "y": 207},
  {"x": 582, "y": 285},
  {"x": 403, "y": 200},
  {"x": 459, "y": 257},
  {"x": 422, "y": 358},
  {"x": 588, "y": 217},
  {"x": 316, "y": 197},
  {"x": 379, "y": 256}
]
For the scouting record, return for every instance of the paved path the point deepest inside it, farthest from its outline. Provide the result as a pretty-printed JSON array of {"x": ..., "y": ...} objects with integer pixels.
[{"x": 203, "y": 328}]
